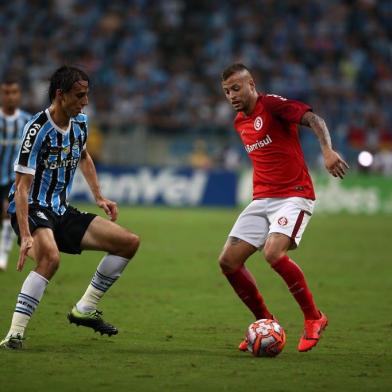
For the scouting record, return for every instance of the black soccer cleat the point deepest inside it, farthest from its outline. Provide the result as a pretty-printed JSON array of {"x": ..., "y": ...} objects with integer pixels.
[{"x": 92, "y": 320}]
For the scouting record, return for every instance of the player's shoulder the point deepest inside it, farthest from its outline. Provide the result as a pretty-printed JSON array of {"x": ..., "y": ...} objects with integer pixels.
[
  {"x": 271, "y": 99},
  {"x": 276, "y": 100},
  {"x": 81, "y": 118},
  {"x": 36, "y": 123},
  {"x": 39, "y": 118},
  {"x": 275, "y": 103},
  {"x": 33, "y": 128}
]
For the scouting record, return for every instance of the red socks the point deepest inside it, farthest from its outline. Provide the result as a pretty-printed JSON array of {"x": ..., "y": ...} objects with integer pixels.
[
  {"x": 295, "y": 280},
  {"x": 244, "y": 285}
]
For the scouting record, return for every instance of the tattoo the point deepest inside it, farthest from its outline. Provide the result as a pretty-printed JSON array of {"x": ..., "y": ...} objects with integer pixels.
[
  {"x": 83, "y": 155},
  {"x": 234, "y": 240},
  {"x": 319, "y": 127}
]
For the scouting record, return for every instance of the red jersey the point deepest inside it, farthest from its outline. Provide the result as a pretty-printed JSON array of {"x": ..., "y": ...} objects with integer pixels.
[{"x": 270, "y": 137}]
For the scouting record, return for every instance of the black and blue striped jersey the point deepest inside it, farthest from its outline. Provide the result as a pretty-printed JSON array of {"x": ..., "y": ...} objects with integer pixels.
[
  {"x": 51, "y": 155},
  {"x": 11, "y": 130}
]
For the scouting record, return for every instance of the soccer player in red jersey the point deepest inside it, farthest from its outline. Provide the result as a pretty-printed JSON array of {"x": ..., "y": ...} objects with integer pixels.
[{"x": 283, "y": 195}]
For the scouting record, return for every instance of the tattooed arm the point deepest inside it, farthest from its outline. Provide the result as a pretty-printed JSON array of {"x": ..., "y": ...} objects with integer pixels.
[{"x": 332, "y": 160}]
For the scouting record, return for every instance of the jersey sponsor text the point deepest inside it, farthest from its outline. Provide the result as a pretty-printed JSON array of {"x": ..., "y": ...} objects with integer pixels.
[
  {"x": 27, "y": 140},
  {"x": 259, "y": 144}
]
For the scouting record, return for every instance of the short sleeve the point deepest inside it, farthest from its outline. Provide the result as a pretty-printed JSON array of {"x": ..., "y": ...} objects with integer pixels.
[{"x": 26, "y": 161}]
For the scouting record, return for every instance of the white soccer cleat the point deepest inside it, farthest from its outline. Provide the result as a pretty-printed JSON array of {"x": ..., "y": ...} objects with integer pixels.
[{"x": 12, "y": 342}]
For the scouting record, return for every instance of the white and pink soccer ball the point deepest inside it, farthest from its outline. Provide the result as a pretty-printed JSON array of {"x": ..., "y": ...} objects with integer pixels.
[{"x": 266, "y": 338}]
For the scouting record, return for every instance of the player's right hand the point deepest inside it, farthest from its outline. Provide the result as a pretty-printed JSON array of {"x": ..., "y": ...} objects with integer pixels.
[
  {"x": 110, "y": 208},
  {"x": 335, "y": 164},
  {"x": 25, "y": 244}
]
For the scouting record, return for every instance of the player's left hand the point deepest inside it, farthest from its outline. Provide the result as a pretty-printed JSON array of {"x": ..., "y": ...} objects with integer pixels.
[
  {"x": 110, "y": 208},
  {"x": 335, "y": 164}
]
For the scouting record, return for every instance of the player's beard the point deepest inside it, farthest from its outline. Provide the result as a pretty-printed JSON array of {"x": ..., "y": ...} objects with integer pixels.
[
  {"x": 245, "y": 106},
  {"x": 238, "y": 106}
]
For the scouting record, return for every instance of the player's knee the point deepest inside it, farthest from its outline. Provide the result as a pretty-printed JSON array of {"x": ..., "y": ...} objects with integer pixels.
[
  {"x": 50, "y": 262},
  {"x": 227, "y": 263},
  {"x": 134, "y": 242},
  {"x": 272, "y": 254},
  {"x": 130, "y": 245}
]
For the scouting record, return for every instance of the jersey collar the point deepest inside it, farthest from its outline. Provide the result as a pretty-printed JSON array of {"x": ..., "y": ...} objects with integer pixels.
[{"x": 57, "y": 128}]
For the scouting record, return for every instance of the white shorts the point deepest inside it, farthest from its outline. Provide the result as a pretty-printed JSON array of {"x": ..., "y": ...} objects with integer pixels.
[{"x": 261, "y": 217}]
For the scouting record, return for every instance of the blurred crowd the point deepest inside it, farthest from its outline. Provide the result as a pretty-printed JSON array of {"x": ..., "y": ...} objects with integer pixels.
[{"x": 158, "y": 63}]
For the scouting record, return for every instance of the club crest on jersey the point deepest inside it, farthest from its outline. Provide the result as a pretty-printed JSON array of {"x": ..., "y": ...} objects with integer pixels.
[
  {"x": 66, "y": 149},
  {"x": 75, "y": 145},
  {"x": 258, "y": 124},
  {"x": 283, "y": 221}
]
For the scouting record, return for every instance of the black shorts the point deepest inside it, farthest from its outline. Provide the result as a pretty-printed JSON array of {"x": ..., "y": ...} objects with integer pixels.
[
  {"x": 68, "y": 229},
  {"x": 4, "y": 190}
]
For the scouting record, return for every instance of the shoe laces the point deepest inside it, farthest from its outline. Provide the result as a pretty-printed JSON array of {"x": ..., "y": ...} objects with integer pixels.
[
  {"x": 97, "y": 314},
  {"x": 310, "y": 325},
  {"x": 18, "y": 336},
  {"x": 312, "y": 328}
]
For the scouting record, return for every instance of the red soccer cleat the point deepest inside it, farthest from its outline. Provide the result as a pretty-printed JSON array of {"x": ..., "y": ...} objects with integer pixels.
[
  {"x": 243, "y": 346},
  {"x": 312, "y": 333}
]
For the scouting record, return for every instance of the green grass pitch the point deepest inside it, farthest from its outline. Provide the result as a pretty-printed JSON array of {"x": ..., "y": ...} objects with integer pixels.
[{"x": 180, "y": 322}]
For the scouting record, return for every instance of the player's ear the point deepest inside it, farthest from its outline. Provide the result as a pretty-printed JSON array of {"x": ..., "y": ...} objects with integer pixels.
[
  {"x": 252, "y": 84},
  {"x": 59, "y": 93}
]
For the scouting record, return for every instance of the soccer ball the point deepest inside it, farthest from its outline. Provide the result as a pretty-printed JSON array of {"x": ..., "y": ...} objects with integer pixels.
[{"x": 266, "y": 338}]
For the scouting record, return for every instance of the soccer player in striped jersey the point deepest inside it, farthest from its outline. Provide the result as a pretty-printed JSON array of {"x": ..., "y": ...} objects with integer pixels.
[
  {"x": 53, "y": 145},
  {"x": 12, "y": 122}
]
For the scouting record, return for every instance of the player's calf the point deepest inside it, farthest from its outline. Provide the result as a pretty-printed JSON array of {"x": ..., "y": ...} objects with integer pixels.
[{"x": 108, "y": 271}]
